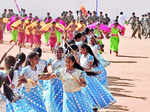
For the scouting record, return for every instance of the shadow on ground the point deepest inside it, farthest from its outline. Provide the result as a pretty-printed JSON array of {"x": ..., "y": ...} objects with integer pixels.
[
  {"x": 123, "y": 61},
  {"x": 132, "y": 56},
  {"x": 117, "y": 88}
]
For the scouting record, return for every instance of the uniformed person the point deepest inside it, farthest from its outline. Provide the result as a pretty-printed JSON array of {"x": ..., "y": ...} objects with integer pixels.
[{"x": 137, "y": 29}]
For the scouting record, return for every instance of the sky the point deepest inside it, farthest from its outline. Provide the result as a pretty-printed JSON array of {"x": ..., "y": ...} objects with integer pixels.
[{"x": 112, "y": 7}]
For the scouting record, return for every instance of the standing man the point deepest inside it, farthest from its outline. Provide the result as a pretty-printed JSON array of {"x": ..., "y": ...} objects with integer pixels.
[
  {"x": 106, "y": 19},
  {"x": 137, "y": 28},
  {"x": 122, "y": 19},
  {"x": 95, "y": 17},
  {"x": 132, "y": 21},
  {"x": 4, "y": 15},
  {"x": 9, "y": 13},
  {"x": 101, "y": 17},
  {"x": 148, "y": 26},
  {"x": 89, "y": 19}
]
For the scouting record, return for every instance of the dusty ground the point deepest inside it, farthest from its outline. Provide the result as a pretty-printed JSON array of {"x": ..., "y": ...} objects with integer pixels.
[{"x": 128, "y": 74}]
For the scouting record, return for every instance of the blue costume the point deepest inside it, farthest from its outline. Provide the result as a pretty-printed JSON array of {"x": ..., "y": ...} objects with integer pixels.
[
  {"x": 73, "y": 99},
  {"x": 33, "y": 96},
  {"x": 98, "y": 96},
  {"x": 53, "y": 93},
  {"x": 20, "y": 105}
]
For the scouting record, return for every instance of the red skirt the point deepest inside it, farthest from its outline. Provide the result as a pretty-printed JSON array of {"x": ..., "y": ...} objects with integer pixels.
[
  {"x": 21, "y": 37},
  {"x": 29, "y": 39},
  {"x": 37, "y": 39},
  {"x": 52, "y": 41}
]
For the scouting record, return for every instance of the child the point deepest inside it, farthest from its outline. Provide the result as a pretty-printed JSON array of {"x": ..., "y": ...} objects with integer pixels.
[{"x": 21, "y": 34}]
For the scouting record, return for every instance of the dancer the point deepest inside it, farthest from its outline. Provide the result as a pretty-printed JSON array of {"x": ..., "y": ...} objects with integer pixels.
[
  {"x": 72, "y": 77},
  {"x": 29, "y": 33},
  {"x": 29, "y": 77},
  {"x": 14, "y": 34},
  {"x": 71, "y": 29},
  {"x": 15, "y": 102},
  {"x": 53, "y": 95},
  {"x": 114, "y": 39},
  {"x": 21, "y": 34},
  {"x": 41, "y": 66},
  {"x": 98, "y": 95},
  {"x": 95, "y": 48},
  {"x": 53, "y": 36},
  {"x": 37, "y": 35}
]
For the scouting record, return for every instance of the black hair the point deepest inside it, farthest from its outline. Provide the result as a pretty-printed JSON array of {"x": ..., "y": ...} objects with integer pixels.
[
  {"x": 89, "y": 50},
  {"x": 121, "y": 13},
  {"x": 77, "y": 36},
  {"x": 94, "y": 37},
  {"x": 53, "y": 23},
  {"x": 91, "y": 30},
  {"x": 116, "y": 22},
  {"x": 8, "y": 93},
  {"x": 87, "y": 30},
  {"x": 30, "y": 56},
  {"x": 21, "y": 57},
  {"x": 72, "y": 47},
  {"x": 38, "y": 50},
  {"x": 5, "y": 81},
  {"x": 84, "y": 34},
  {"x": 77, "y": 66},
  {"x": 10, "y": 61},
  {"x": 69, "y": 42}
]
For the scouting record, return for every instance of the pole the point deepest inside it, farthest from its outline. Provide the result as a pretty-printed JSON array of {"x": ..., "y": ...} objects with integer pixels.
[{"x": 97, "y": 7}]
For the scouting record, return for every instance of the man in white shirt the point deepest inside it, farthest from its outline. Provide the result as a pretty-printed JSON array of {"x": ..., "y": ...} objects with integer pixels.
[{"x": 122, "y": 19}]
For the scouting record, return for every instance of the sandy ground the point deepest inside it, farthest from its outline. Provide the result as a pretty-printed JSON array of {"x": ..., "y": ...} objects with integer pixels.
[{"x": 128, "y": 74}]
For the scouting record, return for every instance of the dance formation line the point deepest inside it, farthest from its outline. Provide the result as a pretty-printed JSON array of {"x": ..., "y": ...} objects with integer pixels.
[{"x": 75, "y": 80}]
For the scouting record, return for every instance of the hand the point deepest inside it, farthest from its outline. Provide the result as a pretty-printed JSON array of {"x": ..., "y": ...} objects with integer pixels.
[
  {"x": 12, "y": 86},
  {"x": 22, "y": 79}
]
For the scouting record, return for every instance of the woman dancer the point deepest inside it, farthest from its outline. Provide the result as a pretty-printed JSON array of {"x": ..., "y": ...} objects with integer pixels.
[
  {"x": 72, "y": 77},
  {"x": 98, "y": 95},
  {"x": 21, "y": 34},
  {"x": 71, "y": 29},
  {"x": 95, "y": 48},
  {"x": 29, "y": 77},
  {"x": 14, "y": 103},
  {"x": 14, "y": 33},
  {"x": 53, "y": 36},
  {"x": 53, "y": 94},
  {"x": 37, "y": 35},
  {"x": 29, "y": 33},
  {"x": 114, "y": 39}
]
